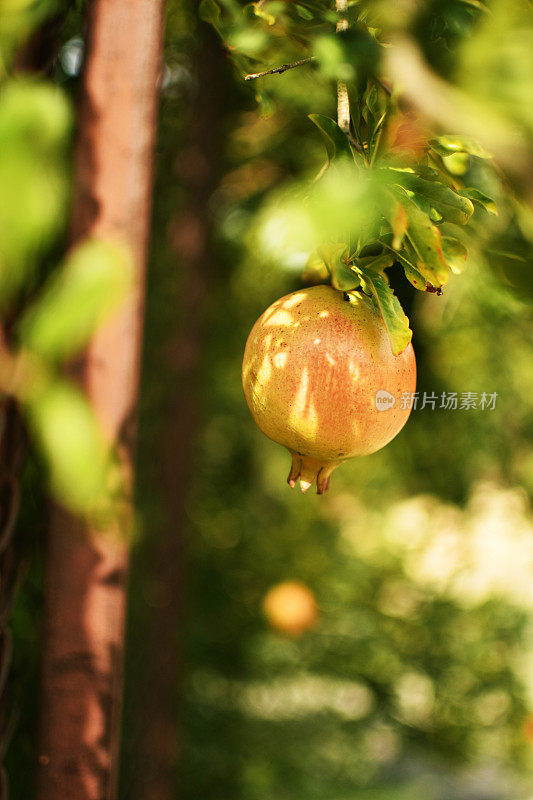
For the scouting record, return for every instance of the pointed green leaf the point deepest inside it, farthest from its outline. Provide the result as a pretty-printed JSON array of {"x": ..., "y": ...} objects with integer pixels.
[
  {"x": 389, "y": 306},
  {"x": 304, "y": 13},
  {"x": 446, "y": 145},
  {"x": 336, "y": 141},
  {"x": 342, "y": 277},
  {"x": 376, "y": 263},
  {"x": 428, "y": 173},
  {"x": 371, "y": 249},
  {"x": 449, "y": 205},
  {"x": 372, "y": 102},
  {"x": 481, "y": 199},
  {"x": 407, "y": 260},
  {"x": 413, "y": 276}
]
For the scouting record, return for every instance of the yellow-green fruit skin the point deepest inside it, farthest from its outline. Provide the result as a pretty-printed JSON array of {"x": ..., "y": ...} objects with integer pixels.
[{"x": 312, "y": 366}]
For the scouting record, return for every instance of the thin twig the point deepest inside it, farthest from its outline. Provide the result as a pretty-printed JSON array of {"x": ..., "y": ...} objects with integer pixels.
[{"x": 278, "y": 70}]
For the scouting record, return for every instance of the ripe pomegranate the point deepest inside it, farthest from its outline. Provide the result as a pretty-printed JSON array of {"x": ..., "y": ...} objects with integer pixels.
[
  {"x": 290, "y": 607},
  {"x": 320, "y": 378}
]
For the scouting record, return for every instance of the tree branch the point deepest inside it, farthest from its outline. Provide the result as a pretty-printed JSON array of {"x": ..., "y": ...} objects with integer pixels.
[
  {"x": 343, "y": 100},
  {"x": 278, "y": 70}
]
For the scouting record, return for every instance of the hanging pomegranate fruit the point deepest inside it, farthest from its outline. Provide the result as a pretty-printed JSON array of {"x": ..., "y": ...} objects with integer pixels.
[{"x": 320, "y": 378}]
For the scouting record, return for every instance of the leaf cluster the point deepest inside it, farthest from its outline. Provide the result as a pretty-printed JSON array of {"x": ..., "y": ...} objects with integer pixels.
[
  {"x": 48, "y": 321},
  {"x": 390, "y": 194},
  {"x": 419, "y": 211}
]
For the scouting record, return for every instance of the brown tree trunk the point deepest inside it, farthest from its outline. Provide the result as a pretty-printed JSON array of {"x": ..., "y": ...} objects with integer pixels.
[{"x": 86, "y": 569}]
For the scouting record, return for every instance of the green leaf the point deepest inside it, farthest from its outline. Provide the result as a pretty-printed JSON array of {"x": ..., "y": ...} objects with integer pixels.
[
  {"x": 372, "y": 103},
  {"x": 304, "y": 13},
  {"x": 35, "y": 114},
  {"x": 376, "y": 263},
  {"x": 413, "y": 276},
  {"x": 457, "y": 163},
  {"x": 262, "y": 13},
  {"x": 93, "y": 281},
  {"x": 411, "y": 273},
  {"x": 425, "y": 240},
  {"x": 343, "y": 277},
  {"x": 315, "y": 270},
  {"x": 481, "y": 199},
  {"x": 336, "y": 141},
  {"x": 371, "y": 249},
  {"x": 34, "y": 131},
  {"x": 428, "y": 173},
  {"x": 446, "y": 145},
  {"x": 449, "y": 205},
  {"x": 455, "y": 253},
  {"x": 72, "y": 444},
  {"x": 389, "y": 306}
]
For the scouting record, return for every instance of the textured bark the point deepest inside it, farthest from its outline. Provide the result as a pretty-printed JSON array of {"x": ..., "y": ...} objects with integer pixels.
[{"x": 86, "y": 569}]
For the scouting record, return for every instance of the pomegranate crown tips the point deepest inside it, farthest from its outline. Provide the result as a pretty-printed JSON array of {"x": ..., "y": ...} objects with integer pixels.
[{"x": 320, "y": 378}]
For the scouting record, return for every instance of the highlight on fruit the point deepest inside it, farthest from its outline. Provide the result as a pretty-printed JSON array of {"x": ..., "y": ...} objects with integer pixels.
[
  {"x": 313, "y": 366},
  {"x": 290, "y": 608}
]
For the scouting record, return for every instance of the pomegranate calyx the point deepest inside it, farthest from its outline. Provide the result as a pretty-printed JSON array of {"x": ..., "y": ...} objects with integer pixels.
[{"x": 308, "y": 470}]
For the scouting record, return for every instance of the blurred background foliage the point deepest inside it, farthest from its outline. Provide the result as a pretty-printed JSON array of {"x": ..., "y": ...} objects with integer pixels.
[
  {"x": 415, "y": 678},
  {"x": 48, "y": 313}
]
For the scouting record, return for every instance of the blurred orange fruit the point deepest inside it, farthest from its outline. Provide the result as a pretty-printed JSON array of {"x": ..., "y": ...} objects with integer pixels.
[{"x": 290, "y": 608}]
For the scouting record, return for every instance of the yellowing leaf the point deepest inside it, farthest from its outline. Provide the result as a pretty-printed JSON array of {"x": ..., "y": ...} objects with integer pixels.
[
  {"x": 425, "y": 240},
  {"x": 389, "y": 306},
  {"x": 399, "y": 223}
]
